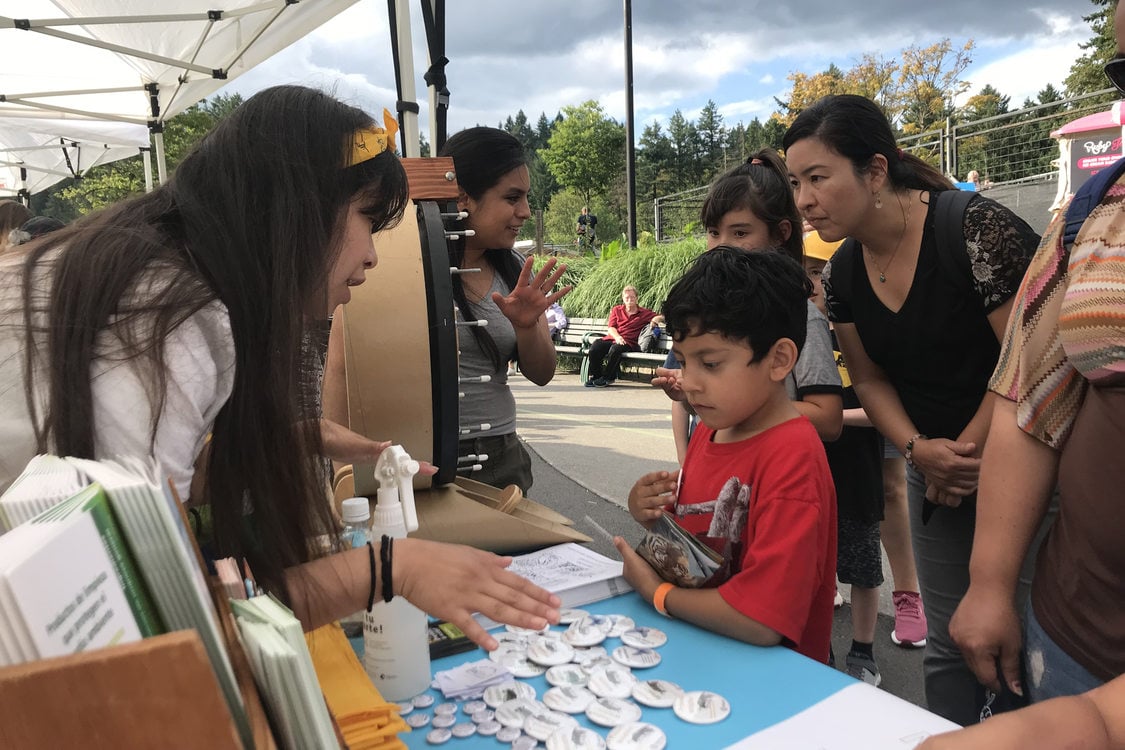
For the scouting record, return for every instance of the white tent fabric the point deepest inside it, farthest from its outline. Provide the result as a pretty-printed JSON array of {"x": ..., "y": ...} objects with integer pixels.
[
  {"x": 137, "y": 62},
  {"x": 35, "y": 153}
]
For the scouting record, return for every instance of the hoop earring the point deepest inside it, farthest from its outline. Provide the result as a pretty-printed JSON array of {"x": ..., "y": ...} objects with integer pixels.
[{"x": 878, "y": 199}]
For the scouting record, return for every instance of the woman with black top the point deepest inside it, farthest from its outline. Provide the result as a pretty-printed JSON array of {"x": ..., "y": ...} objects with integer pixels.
[{"x": 920, "y": 328}]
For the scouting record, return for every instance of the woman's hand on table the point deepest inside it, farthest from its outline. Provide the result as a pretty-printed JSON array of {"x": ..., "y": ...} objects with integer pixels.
[{"x": 453, "y": 581}]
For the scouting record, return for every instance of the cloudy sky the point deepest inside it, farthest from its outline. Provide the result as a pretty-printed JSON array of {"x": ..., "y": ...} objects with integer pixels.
[{"x": 541, "y": 55}]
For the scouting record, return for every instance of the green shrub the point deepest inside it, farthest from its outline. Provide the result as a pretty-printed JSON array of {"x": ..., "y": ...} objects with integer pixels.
[{"x": 653, "y": 269}]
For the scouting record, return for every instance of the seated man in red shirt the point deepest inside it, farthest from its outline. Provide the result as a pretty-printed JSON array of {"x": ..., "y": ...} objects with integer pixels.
[
  {"x": 625, "y": 324},
  {"x": 755, "y": 473}
]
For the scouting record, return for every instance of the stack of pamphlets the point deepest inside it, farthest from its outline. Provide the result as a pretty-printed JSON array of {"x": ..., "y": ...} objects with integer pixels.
[
  {"x": 45, "y": 482},
  {"x": 576, "y": 574},
  {"x": 69, "y": 584},
  {"x": 283, "y": 670}
]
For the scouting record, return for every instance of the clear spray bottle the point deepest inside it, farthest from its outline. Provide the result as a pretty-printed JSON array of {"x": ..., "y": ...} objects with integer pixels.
[{"x": 396, "y": 650}]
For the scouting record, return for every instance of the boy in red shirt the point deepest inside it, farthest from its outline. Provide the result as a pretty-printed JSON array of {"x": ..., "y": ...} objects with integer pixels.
[{"x": 738, "y": 323}]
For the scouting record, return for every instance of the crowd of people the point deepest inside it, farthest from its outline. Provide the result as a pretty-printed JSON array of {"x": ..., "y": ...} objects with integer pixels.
[{"x": 855, "y": 364}]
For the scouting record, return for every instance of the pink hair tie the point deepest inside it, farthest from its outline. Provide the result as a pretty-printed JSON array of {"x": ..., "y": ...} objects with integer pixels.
[
  {"x": 755, "y": 161},
  {"x": 900, "y": 154}
]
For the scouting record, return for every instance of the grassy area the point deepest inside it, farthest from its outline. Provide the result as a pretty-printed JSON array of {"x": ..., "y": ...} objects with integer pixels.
[{"x": 652, "y": 269}]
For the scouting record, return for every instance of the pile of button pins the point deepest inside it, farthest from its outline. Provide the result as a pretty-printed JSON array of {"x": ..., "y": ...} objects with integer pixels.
[{"x": 586, "y": 678}]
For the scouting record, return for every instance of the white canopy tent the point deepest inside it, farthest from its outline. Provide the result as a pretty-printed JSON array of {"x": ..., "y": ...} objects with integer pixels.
[
  {"x": 36, "y": 152},
  {"x": 99, "y": 72}
]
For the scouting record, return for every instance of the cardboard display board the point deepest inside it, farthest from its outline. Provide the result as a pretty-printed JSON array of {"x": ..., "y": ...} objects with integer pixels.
[
  {"x": 400, "y": 348},
  {"x": 480, "y": 515}
]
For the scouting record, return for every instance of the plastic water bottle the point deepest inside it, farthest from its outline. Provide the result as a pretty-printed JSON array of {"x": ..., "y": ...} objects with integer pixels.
[
  {"x": 356, "y": 514},
  {"x": 396, "y": 645}
]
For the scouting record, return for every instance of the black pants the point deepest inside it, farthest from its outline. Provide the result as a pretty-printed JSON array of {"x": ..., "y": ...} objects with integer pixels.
[{"x": 598, "y": 351}]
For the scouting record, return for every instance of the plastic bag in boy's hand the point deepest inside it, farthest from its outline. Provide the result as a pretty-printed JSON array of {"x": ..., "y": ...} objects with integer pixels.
[{"x": 681, "y": 558}]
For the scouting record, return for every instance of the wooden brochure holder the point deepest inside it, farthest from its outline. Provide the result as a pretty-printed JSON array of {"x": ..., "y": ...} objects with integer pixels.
[{"x": 158, "y": 692}]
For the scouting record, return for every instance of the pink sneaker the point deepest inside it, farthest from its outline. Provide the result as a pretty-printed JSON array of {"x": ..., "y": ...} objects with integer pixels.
[{"x": 910, "y": 620}]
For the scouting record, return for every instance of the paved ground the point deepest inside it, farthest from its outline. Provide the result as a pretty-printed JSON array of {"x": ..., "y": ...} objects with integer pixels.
[{"x": 589, "y": 445}]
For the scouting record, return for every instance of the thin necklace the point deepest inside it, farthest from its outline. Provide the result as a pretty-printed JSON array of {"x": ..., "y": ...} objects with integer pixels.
[{"x": 905, "y": 220}]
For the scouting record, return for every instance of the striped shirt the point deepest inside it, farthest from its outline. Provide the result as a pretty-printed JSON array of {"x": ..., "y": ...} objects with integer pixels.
[{"x": 1067, "y": 329}]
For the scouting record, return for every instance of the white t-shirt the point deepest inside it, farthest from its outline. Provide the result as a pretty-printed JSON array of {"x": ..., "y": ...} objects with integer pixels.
[{"x": 200, "y": 364}]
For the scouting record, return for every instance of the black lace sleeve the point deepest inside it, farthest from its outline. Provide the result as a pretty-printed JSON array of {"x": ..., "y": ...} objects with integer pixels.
[{"x": 1000, "y": 246}]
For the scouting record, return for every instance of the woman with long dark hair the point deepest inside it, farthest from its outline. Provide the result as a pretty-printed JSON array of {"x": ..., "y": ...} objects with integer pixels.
[
  {"x": 496, "y": 284},
  {"x": 919, "y": 323},
  {"x": 180, "y": 314}
]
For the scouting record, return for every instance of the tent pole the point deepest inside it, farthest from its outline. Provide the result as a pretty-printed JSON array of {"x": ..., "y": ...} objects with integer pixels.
[
  {"x": 146, "y": 157},
  {"x": 161, "y": 166},
  {"x": 408, "y": 90}
]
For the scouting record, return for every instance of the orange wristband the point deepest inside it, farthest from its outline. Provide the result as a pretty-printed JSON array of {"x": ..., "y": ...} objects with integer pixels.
[{"x": 660, "y": 595}]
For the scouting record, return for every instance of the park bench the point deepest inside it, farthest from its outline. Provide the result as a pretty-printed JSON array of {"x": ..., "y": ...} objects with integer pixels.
[{"x": 575, "y": 340}]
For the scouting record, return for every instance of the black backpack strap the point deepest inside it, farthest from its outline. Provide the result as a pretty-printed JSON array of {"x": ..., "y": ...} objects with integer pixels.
[
  {"x": 1087, "y": 197},
  {"x": 949, "y": 233},
  {"x": 841, "y": 278}
]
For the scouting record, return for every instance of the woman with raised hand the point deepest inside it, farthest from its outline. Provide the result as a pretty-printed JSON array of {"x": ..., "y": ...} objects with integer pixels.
[
  {"x": 179, "y": 314},
  {"x": 497, "y": 284},
  {"x": 919, "y": 322}
]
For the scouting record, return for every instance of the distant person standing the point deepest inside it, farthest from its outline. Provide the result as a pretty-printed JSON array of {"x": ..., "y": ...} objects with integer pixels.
[{"x": 587, "y": 229}]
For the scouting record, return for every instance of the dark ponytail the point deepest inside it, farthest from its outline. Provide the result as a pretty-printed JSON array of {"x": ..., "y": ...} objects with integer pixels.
[{"x": 760, "y": 184}]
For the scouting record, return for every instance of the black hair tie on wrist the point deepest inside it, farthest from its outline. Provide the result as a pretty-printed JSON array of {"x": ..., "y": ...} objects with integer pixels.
[
  {"x": 385, "y": 552},
  {"x": 371, "y": 562}
]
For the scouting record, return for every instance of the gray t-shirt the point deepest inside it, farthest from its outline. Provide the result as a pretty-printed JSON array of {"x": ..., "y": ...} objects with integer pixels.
[
  {"x": 491, "y": 402},
  {"x": 815, "y": 371}
]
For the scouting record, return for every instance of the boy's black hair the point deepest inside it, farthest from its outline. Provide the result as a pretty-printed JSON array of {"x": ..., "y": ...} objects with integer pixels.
[{"x": 759, "y": 297}]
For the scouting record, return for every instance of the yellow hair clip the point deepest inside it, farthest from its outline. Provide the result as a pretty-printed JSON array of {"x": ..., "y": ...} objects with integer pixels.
[{"x": 367, "y": 143}]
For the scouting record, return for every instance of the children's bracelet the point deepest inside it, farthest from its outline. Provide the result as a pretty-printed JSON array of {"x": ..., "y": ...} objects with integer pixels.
[
  {"x": 371, "y": 563},
  {"x": 908, "y": 449},
  {"x": 385, "y": 551},
  {"x": 660, "y": 595}
]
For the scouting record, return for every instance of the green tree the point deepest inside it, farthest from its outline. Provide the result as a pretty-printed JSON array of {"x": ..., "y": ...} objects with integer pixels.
[
  {"x": 655, "y": 164},
  {"x": 929, "y": 79},
  {"x": 687, "y": 170},
  {"x": 543, "y": 183},
  {"x": 110, "y": 183},
  {"x": 1086, "y": 75},
  {"x": 586, "y": 151},
  {"x": 809, "y": 88},
  {"x": 522, "y": 130},
  {"x": 982, "y": 146},
  {"x": 712, "y": 139}
]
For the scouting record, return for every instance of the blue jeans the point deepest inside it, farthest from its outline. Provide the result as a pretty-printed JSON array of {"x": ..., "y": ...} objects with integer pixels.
[
  {"x": 1051, "y": 673},
  {"x": 942, "y": 549}
]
